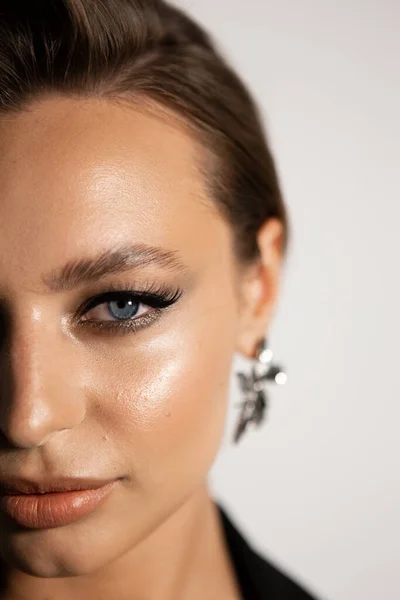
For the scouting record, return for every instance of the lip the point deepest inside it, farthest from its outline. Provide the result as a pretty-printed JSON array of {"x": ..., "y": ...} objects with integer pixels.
[
  {"x": 18, "y": 485},
  {"x": 45, "y": 505}
]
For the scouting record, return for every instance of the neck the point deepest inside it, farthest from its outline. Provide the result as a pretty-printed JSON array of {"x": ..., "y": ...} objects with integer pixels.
[{"x": 185, "y": 557}]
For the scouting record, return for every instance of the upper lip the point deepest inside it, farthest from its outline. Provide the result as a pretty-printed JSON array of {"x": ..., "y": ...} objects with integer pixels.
[{"x": 16, "y": 485}]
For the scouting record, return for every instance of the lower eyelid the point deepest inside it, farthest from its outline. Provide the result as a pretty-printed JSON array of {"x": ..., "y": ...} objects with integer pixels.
[{"x": 124, "y": 327}]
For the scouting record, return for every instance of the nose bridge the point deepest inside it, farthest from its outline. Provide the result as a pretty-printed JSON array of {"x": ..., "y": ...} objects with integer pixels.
[{"x": 36, "y": 399}]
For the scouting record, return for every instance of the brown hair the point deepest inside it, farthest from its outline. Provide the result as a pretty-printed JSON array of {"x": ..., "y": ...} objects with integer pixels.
[{"x": 117, "y": 48}]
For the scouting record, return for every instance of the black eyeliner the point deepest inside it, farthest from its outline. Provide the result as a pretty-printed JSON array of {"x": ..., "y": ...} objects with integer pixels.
[{"x": 159, "y": 297}]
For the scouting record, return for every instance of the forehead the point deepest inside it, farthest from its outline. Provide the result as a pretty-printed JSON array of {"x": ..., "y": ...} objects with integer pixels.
[{"x": 79, "y": 175}]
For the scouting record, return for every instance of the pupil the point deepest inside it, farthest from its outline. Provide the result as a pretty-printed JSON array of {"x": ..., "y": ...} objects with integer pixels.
[{"x": 123, "y": 309}]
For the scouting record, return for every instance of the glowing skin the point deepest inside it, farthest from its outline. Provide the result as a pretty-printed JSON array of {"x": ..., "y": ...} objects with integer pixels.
[{"x": 79, "y": 177}]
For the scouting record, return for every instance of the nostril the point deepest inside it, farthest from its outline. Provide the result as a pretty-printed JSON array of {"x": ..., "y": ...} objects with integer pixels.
[
  {"x": 5, "y": 442},
  {"x": 4, "y": 327}
]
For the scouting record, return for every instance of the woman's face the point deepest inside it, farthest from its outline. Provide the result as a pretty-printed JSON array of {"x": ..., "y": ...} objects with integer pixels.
[{"x": 80, "y": 179}]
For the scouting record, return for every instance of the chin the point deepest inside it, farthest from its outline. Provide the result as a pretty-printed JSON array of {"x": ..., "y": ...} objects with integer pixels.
[
  {"x": 53, "y": 553},
  {"x": 51, "y": 566}
]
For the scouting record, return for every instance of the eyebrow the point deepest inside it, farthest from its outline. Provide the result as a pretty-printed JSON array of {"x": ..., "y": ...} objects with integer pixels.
[{"x": 109, "y": 262}]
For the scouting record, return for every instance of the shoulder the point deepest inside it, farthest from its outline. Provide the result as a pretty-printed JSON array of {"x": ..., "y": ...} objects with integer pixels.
[{"x": 258, "y": 578}]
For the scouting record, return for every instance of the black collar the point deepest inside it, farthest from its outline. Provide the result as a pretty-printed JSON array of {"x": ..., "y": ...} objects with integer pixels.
[{"x": 258, "y": 578}]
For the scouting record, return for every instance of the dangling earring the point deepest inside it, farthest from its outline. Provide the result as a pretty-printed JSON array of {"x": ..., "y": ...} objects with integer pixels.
[{"x": 254, "y": 385}]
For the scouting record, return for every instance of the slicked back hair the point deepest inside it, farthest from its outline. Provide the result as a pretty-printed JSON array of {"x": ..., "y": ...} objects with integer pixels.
[{"x": 151, "y": 50}]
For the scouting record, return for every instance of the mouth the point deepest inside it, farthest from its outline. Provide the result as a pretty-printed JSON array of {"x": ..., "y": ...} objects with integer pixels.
[{"x": 49, "y": 504}]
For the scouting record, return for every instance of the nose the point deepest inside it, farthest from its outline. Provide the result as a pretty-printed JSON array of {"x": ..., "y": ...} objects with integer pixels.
[{"x": 38, "y": 393}]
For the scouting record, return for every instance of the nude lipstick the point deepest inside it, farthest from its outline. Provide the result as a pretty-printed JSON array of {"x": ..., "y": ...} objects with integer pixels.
[{"x": 43, "y": 506}]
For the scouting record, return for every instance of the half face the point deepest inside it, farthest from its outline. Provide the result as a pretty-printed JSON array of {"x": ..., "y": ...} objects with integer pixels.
[{"x": 129, "y": 386}]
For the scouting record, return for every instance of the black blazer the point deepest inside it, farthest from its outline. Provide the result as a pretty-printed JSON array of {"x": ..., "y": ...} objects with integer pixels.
[{"x": 258, "y": 578}]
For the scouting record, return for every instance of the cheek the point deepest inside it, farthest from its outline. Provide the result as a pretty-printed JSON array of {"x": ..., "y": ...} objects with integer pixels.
[{"x": 165, "y": 410}]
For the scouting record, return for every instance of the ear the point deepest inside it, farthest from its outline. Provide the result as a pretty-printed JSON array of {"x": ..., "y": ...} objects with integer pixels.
[{"x": 260, "y": 288}]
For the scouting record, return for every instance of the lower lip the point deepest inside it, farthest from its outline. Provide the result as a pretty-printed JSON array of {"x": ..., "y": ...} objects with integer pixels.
[{"x": 53, "y": 509}]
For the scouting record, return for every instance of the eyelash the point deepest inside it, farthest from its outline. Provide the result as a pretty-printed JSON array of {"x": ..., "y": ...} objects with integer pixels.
[{"x": 156, "y": 297}]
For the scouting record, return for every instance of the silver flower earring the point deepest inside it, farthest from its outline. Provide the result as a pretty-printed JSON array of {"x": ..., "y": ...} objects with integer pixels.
[{"x": 253, "y": 386}]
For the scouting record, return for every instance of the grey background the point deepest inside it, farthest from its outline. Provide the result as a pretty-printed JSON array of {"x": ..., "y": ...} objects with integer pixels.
[{"x": 317, "y": 489}]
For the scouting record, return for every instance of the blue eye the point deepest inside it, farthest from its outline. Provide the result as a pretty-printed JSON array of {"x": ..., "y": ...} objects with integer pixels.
[{"x": 123, "y": 308}]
